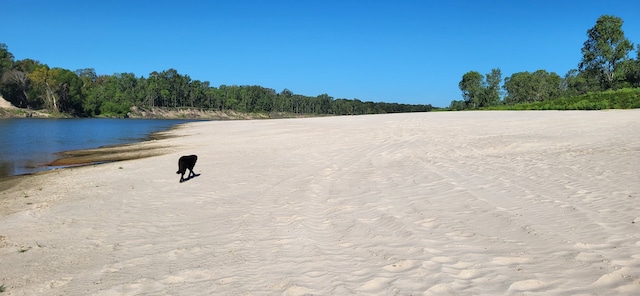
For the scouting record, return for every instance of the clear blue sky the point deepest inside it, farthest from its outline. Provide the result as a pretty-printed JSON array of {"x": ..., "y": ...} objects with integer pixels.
[{"x": 394, "y": 51}]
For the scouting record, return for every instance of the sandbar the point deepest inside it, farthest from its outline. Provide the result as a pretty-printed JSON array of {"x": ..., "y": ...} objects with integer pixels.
[{"x": 438, "y": 203}]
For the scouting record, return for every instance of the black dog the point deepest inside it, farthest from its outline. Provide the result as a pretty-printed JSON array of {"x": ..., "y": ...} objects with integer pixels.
[{"x": 184, "y": 163}]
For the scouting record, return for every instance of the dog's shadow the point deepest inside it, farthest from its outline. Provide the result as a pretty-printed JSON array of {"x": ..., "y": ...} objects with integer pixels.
[{"x": 189, "y": 178}]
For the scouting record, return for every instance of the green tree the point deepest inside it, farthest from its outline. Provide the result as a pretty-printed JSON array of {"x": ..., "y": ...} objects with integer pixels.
[
  {"x": 525, "y": 87},
  {"x": 577, "y": 83},
  {"x": 60, "y": 89},
  {"x": 457, "y": 105},
  {"x": 88, "y": 77},
  {"x": 284, "y": 100},
  {"x": 631, "y": 71},
  {"x": 479, "y": 91},
  {"x": 491, "y": 93},
  {"x": 6, "y": 59},
  {"x": 69, "y": 90},
  {"x": 14, "y": 88},
  {"x": 27, "y": 83},
  {"x": 8, "y": 88},
  {"x": 519, "y": 88},
  {"x": 471, "y": 87},
  {"x": 606, "y": 47},
  {"x": 42, "y": 82},
  {"x": 324, "y": 104},
  {"x": 16, "y": 85}
]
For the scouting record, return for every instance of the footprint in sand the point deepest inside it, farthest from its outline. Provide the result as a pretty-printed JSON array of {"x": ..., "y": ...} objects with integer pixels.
[{"x": 60, "y": 282}]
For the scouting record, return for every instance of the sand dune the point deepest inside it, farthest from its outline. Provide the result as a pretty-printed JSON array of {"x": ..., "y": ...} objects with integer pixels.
[{"x": 464, "y": 203}]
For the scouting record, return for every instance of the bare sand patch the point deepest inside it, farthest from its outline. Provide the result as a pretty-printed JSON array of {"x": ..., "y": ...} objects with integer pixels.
[
  {"x": 6, "y": 104},
  {"x": 461, "y": 203}
]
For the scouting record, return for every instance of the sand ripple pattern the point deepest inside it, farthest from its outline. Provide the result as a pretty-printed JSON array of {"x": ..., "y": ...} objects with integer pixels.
[{"x": 465, "y": 203}]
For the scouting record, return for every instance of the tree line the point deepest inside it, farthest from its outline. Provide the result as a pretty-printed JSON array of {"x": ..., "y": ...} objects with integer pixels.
[
  {"x": 605, "y": 66},
  {"x": 30, "y": 84}
]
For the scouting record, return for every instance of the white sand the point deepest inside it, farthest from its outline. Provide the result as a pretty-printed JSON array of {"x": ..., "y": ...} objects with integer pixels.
[
  {"x": 464, "y": 203},
  {"x": 6, "y": 104}
]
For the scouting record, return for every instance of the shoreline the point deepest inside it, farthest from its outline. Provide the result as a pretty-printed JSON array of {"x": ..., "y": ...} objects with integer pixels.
[
  {"x": 70, "y": 159},
  {"x": 186, "y": 113},
  {"x": 119, "y": 152}
]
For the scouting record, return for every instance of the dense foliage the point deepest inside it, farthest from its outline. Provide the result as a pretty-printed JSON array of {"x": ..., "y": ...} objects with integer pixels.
[
  {"x": 479, "y": 91},
  {"x": 30, "y": 84},
  {"x": 626, "y": 98},
  {"x": 605, "y": 67}
]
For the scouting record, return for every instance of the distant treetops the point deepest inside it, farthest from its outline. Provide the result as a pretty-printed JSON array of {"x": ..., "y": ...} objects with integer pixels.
[
  {"x": 29, "y": 84},
  {"x": 605, "y": 65}
]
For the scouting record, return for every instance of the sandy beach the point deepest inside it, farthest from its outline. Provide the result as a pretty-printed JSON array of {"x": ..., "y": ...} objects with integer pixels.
[{"x": 441, "y": 203}]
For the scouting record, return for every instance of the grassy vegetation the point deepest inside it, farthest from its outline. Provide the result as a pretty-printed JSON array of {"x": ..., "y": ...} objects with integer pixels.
[{"x": 626, "y": 98}]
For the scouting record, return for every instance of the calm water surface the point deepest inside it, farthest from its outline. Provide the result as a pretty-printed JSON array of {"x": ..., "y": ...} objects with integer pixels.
[{"x": 27, "y": 144}]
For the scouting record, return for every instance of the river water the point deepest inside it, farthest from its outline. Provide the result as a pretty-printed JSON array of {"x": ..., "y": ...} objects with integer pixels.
[{"x": 27, "y": 144}]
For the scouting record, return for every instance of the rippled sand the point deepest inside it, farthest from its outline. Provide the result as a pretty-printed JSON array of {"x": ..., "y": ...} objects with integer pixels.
[{"x": 459, "y": 203}]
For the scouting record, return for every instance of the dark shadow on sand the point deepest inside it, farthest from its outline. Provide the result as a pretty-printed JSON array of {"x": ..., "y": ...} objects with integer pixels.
[{"x": 189, "y": 178}]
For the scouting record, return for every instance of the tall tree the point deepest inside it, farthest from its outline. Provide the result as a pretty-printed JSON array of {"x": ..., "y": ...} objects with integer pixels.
[
  {"x": 6, "y": 59},
  {"x": 16, "y": 85},
  {"x": 68, "y": 88},
  {"x": 631, "y": 71},
  {"x": 635, "y": 69},
  {"x": 605, "y": 48},
  {"x": 60, "y": 89},
  {"x": 7, "y": 87},
  {"x": 14, "y": 88},
  {"x": 481, "y": 91},
  {"x": 491, "y": 94},
  {"x": 471, "y": 87},
  {"x": 525, "y": 87},
  {"x": 42, "y": 82},
  {"x": 577, "y": 83}
]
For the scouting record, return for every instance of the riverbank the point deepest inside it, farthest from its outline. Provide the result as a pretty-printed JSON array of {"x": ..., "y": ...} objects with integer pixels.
[
  {"x": 478, "y": 203},
  {"x": 71, "y": 159},
  {"x": 9, "y": 111}
]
